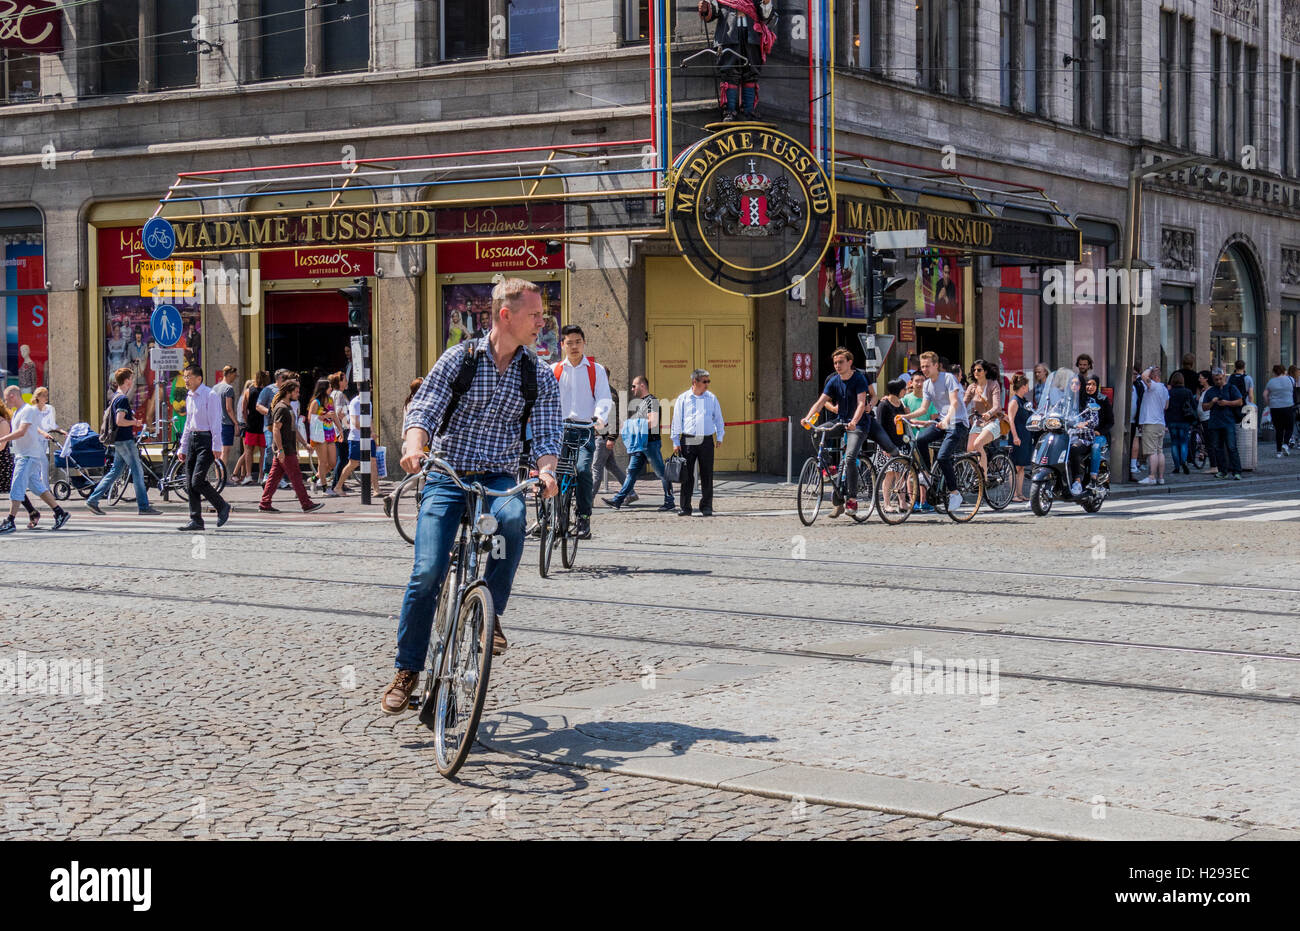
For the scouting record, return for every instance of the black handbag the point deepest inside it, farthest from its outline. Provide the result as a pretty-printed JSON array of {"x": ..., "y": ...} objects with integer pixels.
[{"x": 673, "y": 469}]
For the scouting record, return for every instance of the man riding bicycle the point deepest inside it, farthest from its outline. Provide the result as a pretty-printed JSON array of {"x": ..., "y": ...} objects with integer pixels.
[
  {"x": 478, "y": 429},
  {"x": 847, "y": 393},
  {"x": 944, "y": 392},
  {"x": 584, "y": 398}
]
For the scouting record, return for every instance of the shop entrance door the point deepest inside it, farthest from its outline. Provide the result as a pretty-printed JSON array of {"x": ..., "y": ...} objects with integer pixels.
[
  {"x": 306, "y": 332},
  {"x": 693, "y": 325},
  {"x": 945, "y": 341}
]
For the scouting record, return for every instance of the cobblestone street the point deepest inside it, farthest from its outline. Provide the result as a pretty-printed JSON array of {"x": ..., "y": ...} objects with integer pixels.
[{"x": 241, "y": 671}]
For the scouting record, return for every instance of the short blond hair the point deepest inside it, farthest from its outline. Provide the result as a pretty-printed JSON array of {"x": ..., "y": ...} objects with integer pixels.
[
  {"x": 510, "y": 291},
  {"x": 930, "y": 356},
  {"x": 40, "y": 389}
]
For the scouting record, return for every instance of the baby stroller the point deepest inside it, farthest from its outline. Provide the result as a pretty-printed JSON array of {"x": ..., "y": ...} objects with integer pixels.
[{"x": 83, "y": 459}]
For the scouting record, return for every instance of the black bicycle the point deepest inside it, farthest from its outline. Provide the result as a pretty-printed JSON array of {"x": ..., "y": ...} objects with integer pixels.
[
  {"x": 826, "y": 467},
  {"x": 557, "y": 518},
  {"x": 464, "y": 619},
  {"x": 174, "y": 481},
  {"x": 899, "y": 485}
]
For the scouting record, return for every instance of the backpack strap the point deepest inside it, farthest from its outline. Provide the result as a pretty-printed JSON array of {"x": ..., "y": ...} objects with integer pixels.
[
  {"x": 528, "y": 387},
  {"x": 460, "y": 384},
  {"x": 558, "y": 368}
]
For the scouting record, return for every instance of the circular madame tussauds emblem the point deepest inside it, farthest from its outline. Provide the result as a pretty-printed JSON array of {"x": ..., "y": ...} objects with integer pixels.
[{"x": 751, "y": 210}]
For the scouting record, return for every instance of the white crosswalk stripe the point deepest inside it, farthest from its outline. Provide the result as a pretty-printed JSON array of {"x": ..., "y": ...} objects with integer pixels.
[{"x": 1217, "y": 509}]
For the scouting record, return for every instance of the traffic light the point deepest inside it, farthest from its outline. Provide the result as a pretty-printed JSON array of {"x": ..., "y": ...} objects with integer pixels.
[
  {"x": 884, "y": 282},
  {"x": 358, "y": 304}
]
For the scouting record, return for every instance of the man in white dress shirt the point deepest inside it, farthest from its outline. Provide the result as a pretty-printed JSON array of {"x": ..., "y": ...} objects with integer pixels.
[
  {"x": 584, "y": 397},
  {"x": 697, "y": 418},
  {"x": 200, "y": 443}
]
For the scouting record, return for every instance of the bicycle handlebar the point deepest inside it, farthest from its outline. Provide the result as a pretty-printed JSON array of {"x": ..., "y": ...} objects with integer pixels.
[{"x": 433, "y": 462}]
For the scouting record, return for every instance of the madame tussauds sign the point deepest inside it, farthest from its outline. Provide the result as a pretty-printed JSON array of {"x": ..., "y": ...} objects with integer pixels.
[{"x": 31, "y": 25}]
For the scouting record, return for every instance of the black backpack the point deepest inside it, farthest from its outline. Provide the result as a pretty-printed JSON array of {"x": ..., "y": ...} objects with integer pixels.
[
  {"x": 108, "y": 424},
  {"x": 465, "y": 378},
  {"x": 1239, "y": 382}
]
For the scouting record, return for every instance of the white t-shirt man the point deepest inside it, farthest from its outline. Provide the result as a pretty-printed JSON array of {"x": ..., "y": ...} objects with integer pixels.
[
  {"x": 937, "y": 391},
  {"x": 1154, "y": 400},
  {"x": 354, "y": 420},
  {"x": 31, "y": 443}
]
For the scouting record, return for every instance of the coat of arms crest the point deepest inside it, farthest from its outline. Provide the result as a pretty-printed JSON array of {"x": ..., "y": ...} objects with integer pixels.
[{"x": 751, "y": 204}]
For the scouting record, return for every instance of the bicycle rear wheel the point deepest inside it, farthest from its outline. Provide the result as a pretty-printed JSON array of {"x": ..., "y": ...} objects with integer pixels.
[
  {"x": 970, "y": 485},
  {"x": 897, "y": 490},
  {"x": 811, "y": 490},
  {"x": 462, "y": 686},
  {"x": 175, "y": 480},
  {"x": 123, "y": 489},
  {"x": 406, "y": 507},
  {"x": 569, "y": 539},
  {"x": 1001, "y": 478}
]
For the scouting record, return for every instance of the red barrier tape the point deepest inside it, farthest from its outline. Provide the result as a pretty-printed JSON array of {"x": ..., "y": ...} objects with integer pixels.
[{"x": 745, "y": 423}]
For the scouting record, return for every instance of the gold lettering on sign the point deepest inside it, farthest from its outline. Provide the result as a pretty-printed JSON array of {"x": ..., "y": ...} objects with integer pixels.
[{"x": 11, "y": 23}]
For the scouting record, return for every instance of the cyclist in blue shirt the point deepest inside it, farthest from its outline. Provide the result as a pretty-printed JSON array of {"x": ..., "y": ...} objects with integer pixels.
[{"x": 846, "y": 392}]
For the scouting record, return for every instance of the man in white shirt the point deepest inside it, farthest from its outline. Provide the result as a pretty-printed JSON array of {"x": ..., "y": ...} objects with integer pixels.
[
  {"x": 29, "y": 452},
  {"x": 1151, "y": 418},
  {"x": 200, "y": 444},
  {"x": 697, "y": 419},
  {"x": 584, "y": 397}
]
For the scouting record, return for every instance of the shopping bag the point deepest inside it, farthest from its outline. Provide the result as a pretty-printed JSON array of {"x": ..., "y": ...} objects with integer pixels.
[{"x": 381, "y": 462}]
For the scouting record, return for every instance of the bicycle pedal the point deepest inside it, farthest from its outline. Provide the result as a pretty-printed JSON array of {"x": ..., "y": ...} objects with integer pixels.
[{"x": 413, "y": 702}]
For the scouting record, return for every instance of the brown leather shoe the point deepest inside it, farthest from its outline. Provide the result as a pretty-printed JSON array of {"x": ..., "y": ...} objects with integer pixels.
[
  {"x": 499, "y": 644},
  {"x": 398, "y": 694}
]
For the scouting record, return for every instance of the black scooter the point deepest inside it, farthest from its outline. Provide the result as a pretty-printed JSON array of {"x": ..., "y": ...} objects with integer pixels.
[{"x": 1057, "y": 465}]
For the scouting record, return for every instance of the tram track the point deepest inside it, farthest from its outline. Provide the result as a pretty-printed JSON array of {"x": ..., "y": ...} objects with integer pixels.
[
  {"x": 718, "y": 646},
  {"x": 664, "y": 551}
]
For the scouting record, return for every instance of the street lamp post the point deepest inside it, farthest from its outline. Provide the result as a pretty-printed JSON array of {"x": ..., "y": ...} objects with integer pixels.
[{"x": 1128, "y": 342}]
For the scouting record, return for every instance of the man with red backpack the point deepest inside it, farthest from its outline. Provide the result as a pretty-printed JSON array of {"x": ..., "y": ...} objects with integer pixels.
[{"x": 584, "y": 398}]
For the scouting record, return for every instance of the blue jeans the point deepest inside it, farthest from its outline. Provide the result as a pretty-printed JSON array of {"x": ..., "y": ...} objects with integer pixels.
[
  {"x": 1099, "y": 446},
  {"x": 586, "y": 453},
  {"x": 1224, "y": 441},
  {"x": 441, "y": 507},
  {"x": 1179, "y": 434},
  {"x": 954, "y": 442},
  {"x": 653, "y": 455},
  {"x": 27, "y": 477},
  {"x": 125, "y": 456}
]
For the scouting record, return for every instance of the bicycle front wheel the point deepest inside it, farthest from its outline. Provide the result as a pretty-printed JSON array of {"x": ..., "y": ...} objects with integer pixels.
[
  {"x": 175, "y": 480},
  {"x": 1000, "y": 481},
  {"x": 569, "y": 538},
  {"x": 866, "y": 491},
  {"x": 462, "y": 686},
  {"x": 437, "y": 642},
  {"x": 406, "y": 507},
  {"x": 811, "y": 489},
  {"x": 970, "y": 485},
  {"x": 896, "y": 490},
  {"x": 547, "y": 538}
]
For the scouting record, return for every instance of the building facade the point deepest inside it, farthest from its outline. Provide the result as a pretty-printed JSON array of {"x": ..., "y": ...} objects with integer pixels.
[{"x": 1059, "y": 97}]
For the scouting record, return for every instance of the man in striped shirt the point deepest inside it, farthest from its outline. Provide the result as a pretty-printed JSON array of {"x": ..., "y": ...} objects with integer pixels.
[{"x": 482, "y": 443}]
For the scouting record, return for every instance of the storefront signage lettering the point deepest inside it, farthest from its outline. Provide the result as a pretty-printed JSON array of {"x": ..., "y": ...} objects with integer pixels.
[
  {"x": 361, "y": 226},
  {"x": 963, "y": 233},
  {"x": 31, "y": 25},
  {"x": 317, "y": 263},
  {"x": 751, "y": 210},
  {"x": 1224, "y": 182}
]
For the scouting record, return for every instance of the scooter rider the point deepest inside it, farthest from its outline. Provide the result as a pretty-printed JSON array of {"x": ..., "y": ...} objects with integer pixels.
[{"x": 1082, "y": 430}]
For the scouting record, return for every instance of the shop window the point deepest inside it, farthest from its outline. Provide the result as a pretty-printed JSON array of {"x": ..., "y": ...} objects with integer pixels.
[
  {"x": 1019, "y": 322},
  {"x": 175, "y": 52},
  {"x": 463, "y": 29},
  {"x": 1289, "y": 331},
  {"x": 119, "y": 52},
  {"x": 345, "y": 36},
  {"x": 1177, "y": 316},
  {"x": 466, "y": 313},
  {"x": 22, "y": 76},
  {"x": 283, "y": 25},
  {"x": 1234, "y": 307},
  {"x": 942, "y": 56},
  {"x": 939, "y": 288},
  {"x": 1090, "y": 319},
  {"x": 534, "y": 26},
  {"x": 24, "y": 342}
]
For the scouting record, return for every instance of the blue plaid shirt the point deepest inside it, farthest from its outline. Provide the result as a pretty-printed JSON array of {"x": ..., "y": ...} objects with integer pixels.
[{"x": 483, "y": 435}]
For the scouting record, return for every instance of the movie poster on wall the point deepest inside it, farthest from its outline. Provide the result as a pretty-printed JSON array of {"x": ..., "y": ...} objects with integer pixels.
[
  {"x": 127, "y": 341},
  {"x": 939, "y": 288},
  {"x": 467, "y": 313},
  {"x": 26, "y": 318}
]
